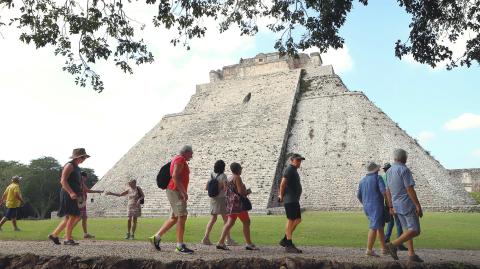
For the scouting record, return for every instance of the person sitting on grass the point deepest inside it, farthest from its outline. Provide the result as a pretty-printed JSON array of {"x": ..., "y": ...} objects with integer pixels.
[
  {"x": 134, "y": 208},
  {"x": 12, "y": 197},
  {"x": 83, "y": 210},
  {"x": 371, "y": 193}
]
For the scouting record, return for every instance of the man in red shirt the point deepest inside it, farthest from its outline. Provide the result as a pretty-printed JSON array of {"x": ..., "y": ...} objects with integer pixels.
[{"x": 177, "y": 196}]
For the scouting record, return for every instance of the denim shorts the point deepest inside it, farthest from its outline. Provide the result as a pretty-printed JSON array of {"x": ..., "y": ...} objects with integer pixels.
[{"x": 409, "y": 221}]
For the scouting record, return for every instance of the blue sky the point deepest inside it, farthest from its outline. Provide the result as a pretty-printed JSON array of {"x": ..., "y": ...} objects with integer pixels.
[{"x": 37, "y": 99}]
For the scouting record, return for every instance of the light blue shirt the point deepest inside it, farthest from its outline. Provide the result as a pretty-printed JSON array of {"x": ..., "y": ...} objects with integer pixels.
[
  {"x": 399, "y": 179},
  {"x": 370, "y": 194}
]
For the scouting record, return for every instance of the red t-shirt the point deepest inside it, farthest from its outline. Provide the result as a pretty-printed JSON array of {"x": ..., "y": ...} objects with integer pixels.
[{"x": 184, "y": 175}]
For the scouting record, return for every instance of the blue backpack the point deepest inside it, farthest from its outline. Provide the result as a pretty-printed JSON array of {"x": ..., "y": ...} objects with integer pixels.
[{"x": 212, "y": 186}]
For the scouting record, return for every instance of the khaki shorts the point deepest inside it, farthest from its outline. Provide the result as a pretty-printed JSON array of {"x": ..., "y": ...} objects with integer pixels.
[{"x": 178, "y": 206}]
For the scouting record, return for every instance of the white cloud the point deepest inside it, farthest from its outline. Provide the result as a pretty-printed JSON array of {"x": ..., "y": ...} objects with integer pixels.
[
  {"x": 340, "y": 59},
  {"x": 463, "y": 122},
  {"x": 425, "y": 136},
  {"x": 476, "y": 153},
  {"x": 45, "y": 114}
]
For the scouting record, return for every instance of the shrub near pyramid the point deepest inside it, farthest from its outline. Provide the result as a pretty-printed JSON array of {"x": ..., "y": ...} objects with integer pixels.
[{"x": 255, "y": 113}]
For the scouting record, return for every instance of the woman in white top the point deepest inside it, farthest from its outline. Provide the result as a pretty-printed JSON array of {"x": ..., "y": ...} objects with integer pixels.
[
  {"x": 218, "y": 203},
  {"x": 134, "y": 208}
]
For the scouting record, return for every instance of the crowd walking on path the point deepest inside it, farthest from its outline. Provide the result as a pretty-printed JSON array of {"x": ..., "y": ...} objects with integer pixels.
[{"x": 387, "y": 198}]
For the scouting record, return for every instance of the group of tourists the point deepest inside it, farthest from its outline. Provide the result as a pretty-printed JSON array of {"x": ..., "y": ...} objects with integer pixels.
[
  {"x": 391, "y": 198},
  {"x": 387, "y": 198}
]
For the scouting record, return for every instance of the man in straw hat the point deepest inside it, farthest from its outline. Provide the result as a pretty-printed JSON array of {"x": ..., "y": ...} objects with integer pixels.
[
  {"x": 12, "y": 197},
  {"x": 371, "y": 193},
  {"x": 71, "y": 181}
]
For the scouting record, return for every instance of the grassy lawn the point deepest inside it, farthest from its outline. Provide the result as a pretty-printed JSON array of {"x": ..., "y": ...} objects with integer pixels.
[{"x": 343, "y": 229}]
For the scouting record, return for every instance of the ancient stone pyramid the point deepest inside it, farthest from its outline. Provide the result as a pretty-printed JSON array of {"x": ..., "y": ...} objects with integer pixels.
[{"x": 258, "y": 111}]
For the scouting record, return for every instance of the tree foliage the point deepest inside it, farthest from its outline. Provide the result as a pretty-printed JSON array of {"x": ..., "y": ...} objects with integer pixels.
[
  {"x": 85, "y": 32},
  {"x": 40, "y": 185}
]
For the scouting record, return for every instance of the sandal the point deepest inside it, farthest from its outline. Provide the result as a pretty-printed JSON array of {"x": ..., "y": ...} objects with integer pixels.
[
  {"x": 54, "y": 239},
  {"x": 70, "y": 243},
  {"x": 222, "y": 247}
]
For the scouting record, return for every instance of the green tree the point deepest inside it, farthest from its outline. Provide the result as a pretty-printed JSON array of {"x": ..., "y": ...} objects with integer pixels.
[
  {"x": 41, "y": 185},
  {"x": 102, "y": 29}
]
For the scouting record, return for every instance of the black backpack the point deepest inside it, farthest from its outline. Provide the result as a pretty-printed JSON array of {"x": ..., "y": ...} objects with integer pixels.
[
  {"x": 163, "y": 176},
  {"x": 212, "y": 187}
]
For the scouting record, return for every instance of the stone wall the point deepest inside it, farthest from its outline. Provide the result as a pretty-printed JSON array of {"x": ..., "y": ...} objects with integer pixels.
[
  {"x": 339, "y": 131},
  {"x": 470, "y": 178},
  {"x": 256, "y": 120},
  {"x": 220, "y": 124}
]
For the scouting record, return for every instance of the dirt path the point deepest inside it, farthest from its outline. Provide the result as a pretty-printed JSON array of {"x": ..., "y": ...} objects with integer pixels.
[{"x": 143, "y": 250}]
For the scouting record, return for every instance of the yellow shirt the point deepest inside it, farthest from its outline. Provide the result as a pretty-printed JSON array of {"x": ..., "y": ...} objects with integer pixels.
[{"x": 12, "y": 201}]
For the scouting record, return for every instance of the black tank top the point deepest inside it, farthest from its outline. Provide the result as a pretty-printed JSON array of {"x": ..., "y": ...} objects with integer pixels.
[{"x": 74, "y": 179}]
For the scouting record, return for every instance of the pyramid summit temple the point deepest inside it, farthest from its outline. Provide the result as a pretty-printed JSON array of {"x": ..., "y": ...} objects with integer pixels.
[{"x": 258, "y": 111}]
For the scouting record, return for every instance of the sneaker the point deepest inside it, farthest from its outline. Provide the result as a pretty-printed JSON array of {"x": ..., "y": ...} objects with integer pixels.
[
  {"x": 231, "y": 242},
  {"x": 251, "y": 247},
  {"x": 127, "y": 236},
  {"x": 88, "y": 236},
  {"x": 392, "y": 250},
  {"x": 283, "y": 242},
  {"x": 371, "y": 253},
  {"x": 155, "y": 242},
  {"x": 132, "y": 237},
  {"x": 206, "y": 241},
  {"x": 222, "y": 247},
  {"x": 402, "y": 248},
  {"x": 54, "y": 239},
  {"x": 70, "y": 243},
  {"x": 183, "y": 250},
  {"x": 414, "y": 258},
  {"x": 292, "y": 249}
]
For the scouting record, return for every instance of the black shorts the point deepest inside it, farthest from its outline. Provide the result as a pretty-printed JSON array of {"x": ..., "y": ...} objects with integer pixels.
[
  {"x": 293, "y": 211},
  {"x": 11, "y": 213}
]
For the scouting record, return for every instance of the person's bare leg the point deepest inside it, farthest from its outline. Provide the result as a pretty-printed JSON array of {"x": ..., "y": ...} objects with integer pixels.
[
  {"x": 14, "y": 223},
  {"x": 372, "y": 234},
  {"x": 181, "y": 228},
  {"x": 225, "y": 219},
  {"x": 84, "y": 224},
  {"x": 72, "y": 220},
  {"x": 134, "y": 225},
  {"x": 381, "y": 237},
  {"x": 406, "y": 235},
  {"x": 61, "y": 226},
  {"x": 167, "y": 225},
  {"x": 411, "y": 251},
  {"x": 246, "y": 231},
  {"x": 226, "y": 230},
  {"x": 3, "y": 221},
  {"x": 129, "y": 224},
  {"x": 290, "y": 227},
  {"x": 209, "y": 227}
]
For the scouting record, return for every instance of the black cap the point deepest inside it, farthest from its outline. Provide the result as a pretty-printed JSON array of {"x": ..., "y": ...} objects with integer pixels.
[
  {"x": 386, "y": 166},
  {"x": 297, "y": 156}
]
